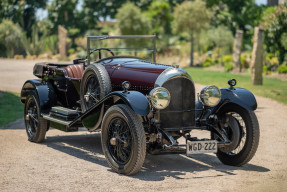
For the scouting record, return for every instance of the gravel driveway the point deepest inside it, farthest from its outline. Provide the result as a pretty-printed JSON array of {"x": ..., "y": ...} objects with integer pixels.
[{"x": 75, "y": 161}]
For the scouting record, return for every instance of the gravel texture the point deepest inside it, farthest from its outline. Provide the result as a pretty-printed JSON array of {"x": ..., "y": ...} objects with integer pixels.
[{"x": 75, "y": 161}]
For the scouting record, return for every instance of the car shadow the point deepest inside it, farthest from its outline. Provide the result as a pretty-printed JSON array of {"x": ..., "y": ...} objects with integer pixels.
[{"x": 156, "y": 167}]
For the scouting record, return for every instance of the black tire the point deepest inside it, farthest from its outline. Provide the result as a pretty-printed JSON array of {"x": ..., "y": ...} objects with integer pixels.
[
  {"x": 249, "y": 136},
  {"x": 95, "y": 85},
  {"x": 126, "y": 154},
  {"x": 36, "y": 126}
]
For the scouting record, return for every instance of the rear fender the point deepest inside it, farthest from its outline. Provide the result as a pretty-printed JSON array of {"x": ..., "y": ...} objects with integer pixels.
[
  {"x": 44, "y": 92},
  {"x": 138, "y": 102}
]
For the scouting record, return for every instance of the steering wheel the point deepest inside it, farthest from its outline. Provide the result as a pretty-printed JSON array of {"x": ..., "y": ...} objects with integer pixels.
[{"x": 100, "y": 49}]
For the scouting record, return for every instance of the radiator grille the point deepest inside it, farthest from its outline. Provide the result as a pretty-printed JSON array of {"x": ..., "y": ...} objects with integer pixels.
[{"x": 180, "y": 112}]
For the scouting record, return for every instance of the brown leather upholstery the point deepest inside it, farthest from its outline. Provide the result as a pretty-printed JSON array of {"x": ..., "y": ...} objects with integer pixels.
[{"x": 75, "y": 71}]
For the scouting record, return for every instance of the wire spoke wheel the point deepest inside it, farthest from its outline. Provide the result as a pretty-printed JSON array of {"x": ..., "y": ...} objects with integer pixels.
[
  {"x": 36, "y": 126},
  {"x": 246, "y": 146},
  {"x": 123, "y": 139}
]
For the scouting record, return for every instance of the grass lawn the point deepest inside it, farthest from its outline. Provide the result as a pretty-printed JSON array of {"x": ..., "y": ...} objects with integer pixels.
[
  {"x": 272, "y": 88},
  {"x": 11, "y": 108}
]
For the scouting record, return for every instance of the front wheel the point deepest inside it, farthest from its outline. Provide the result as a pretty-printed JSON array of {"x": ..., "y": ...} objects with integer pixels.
[
  {"x": 123, "y": 140},
  {"x": 248, "y": 136}
]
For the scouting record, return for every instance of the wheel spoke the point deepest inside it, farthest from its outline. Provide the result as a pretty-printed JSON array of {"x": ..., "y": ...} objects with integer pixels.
[{"x": 119, "y": 130}]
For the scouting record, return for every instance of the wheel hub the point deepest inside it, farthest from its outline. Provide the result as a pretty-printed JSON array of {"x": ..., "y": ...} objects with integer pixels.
[{"x": 27, "y": 117}]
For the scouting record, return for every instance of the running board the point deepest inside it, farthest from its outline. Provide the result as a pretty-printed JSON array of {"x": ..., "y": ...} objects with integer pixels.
[{"x": 53, "y": 119}]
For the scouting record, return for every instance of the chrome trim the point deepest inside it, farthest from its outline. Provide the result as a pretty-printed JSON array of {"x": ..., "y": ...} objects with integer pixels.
[
  {"x": 204, "y": 96},
  {"x": 171, "y": 73},
  {"x": 159, "y": 103}
]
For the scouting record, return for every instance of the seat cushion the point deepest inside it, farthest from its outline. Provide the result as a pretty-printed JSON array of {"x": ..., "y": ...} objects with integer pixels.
[{"x": 75, "y": 71}]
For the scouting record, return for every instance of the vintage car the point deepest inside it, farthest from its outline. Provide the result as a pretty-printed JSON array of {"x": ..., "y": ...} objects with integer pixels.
[{"x": 139, "y": 106}]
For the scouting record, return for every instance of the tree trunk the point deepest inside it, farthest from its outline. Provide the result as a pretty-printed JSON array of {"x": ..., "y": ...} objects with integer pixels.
[
  {"x": 257, "y": 57},
  {"x": 191, "y": 49}
]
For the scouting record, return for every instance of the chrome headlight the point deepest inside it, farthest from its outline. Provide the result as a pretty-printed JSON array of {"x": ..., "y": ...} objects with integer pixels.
[
  {"x": 159, "y": 97},
  {"x": 210, "y": 95}
]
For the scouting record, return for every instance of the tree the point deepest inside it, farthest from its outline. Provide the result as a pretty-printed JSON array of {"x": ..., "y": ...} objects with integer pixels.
[
  {"x": 35, "y": 44},
  {"x": 131, "y": 21},
  {"x": 275, "y": 25},
  {"x": 161, "y": 15},
  {"x": 222, "y": 38},
  {"x": 190, "y": 18},
  {"x": 22, "y": 12},
  {"x": 64, "y": 12},
  {"x": 10, "y": 36}
]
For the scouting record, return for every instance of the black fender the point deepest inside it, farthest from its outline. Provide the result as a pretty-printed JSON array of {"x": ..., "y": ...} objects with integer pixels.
[
  {"x": 238, "y": 96},
  {"x": 44, "y": 92},
  {"x": 92, "y": 118}
]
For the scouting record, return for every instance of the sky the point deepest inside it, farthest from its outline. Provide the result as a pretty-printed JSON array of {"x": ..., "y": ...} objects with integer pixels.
[{"x": 42, "y": 13}]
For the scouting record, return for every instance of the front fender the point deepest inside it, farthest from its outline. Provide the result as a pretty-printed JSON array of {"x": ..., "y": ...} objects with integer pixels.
[
  {"x": 239, "y": 96},
  {"x": 92, "y": 118},
  {"x": 136, "y": 100},
  {"x": 44, "y": 91}
]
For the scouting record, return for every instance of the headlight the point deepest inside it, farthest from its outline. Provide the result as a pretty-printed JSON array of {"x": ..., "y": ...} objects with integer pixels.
[
  {"x": 210, "y": 95},
  {"x": 159, "y": 97}
]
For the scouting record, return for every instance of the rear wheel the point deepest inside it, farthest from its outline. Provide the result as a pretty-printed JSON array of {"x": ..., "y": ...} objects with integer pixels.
[
  {"x": 123, "y": 140},
  {"x": 248, "y": 136},
  {"x": 36, "y": 126}
]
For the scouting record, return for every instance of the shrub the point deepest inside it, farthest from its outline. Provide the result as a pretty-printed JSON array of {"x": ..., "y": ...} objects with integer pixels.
[
  {"x": 208, "y": 62},
  {"x": 227, "y": 59},
  {"x": 10, "y": 36},
  {"x": 282, "y": 68},
  {"x": 228, "y": 66},
  {"x": 18, "y": 57},
  {"x": 35, "y": 44}
]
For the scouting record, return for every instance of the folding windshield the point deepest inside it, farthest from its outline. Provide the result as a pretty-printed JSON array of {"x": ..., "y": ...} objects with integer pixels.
[{"x": 100, "y": 47}]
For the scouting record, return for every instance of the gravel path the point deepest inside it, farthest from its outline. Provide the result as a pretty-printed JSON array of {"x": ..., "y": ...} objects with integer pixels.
[{"x": 75, "y": 161}]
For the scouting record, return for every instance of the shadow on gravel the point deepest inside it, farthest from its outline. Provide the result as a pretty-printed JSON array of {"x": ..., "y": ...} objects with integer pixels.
[
  {"x": 156, "y": 167},
  {"x": 86, "y": 147}
]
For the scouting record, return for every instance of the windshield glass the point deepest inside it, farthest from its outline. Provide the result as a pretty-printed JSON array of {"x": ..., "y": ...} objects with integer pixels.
[{"x": 142, "y": 46}]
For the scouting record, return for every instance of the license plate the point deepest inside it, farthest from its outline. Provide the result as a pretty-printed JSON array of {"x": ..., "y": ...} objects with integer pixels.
[{"x": 196, "y": 147}]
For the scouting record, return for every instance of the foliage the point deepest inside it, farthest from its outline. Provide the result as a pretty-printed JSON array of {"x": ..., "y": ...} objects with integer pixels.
[
  {"x": 208, "y": 62},
  {"x": 245, "y": 59},
  {"x": 190, "y": 17},
  {"x": 21, "y": 12},
  {"x": 35, "y": 44},
  {"x": 160, "y": 13},
  {"x": 271, "y": 63},
  {"x": 11, "y": 108},
  {"x": 235, "y": 15},
  {"x": 131, "y": 21},
  {"x": 221, "y": 37},
  {"x": 282, "y": 68},
  {"x": 227, "y": 62},
  {"x": 64, "y": 12},
  {"x": 52, "y": 44},
  {"x": 275, "y": 24},
  {"x": 10, "y": 36}
]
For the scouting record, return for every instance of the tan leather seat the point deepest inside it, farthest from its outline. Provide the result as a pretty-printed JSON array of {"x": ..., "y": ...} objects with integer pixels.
[{"x": 75, "y": 71}]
